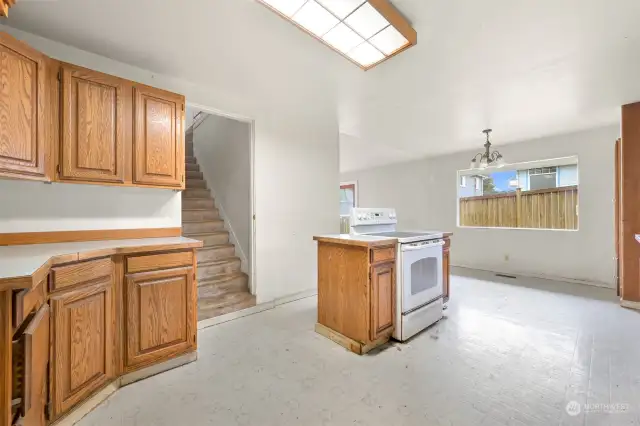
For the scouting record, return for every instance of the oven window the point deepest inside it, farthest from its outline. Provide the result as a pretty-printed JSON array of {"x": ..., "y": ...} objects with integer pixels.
[{"x": 424, "y": 275}]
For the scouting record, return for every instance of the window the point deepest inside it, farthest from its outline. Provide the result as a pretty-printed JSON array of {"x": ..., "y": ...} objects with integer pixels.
[
  {"x": 463, "y": 181},
  {"x": 348, "y": 198},
  {"x": 535, "y": 195}
]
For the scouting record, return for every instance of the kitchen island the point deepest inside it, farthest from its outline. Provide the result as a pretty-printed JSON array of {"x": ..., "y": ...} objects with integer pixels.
[
  {"x": 357, "y": 289},
  {"x": 79, "y": 320}
]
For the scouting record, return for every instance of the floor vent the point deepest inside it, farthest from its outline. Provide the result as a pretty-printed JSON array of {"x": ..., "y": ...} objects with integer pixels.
[{"x": 506, "y": 276}]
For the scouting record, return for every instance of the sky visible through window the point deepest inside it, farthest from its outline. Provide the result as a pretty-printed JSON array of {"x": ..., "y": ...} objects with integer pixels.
[{"x": 501, "y": 180}]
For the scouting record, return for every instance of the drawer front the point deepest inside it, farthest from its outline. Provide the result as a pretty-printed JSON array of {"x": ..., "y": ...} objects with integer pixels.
[
  {"x": 154, "y": 262},
  {"x": 27, "y": 301},
  {"x": 383, "y": 254},
  {"x": 78, "y": 273}
]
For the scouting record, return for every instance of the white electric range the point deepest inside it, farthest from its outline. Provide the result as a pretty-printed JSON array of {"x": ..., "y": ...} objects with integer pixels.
[{"x": 419, "y": 274}]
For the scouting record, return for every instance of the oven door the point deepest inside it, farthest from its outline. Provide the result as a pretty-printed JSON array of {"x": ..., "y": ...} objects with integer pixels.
[{"x": 421, "y": 277}]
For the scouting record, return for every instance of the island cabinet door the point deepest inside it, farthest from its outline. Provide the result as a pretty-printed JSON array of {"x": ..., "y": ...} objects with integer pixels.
[
  {"x": 84, "y": 336},
  {"x": 160, "y": 316},
  {"x": 23, "y": 123},
  {"x": 94, "y": 126},
  {"x": 383, "y": 299},
  {"x": 158, "y": 143}
]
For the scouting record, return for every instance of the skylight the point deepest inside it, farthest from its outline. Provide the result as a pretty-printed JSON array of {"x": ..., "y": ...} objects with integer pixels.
[{"x": 366, "y": 32}]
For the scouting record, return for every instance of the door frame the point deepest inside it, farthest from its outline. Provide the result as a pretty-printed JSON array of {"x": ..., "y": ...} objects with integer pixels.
[{"x": 252, "y": 124}]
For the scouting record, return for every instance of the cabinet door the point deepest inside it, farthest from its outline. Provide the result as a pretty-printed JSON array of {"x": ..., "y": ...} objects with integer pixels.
[
  {"x": 83, "y": 343},
  {"x": 446, "y": 274},
  {"x": 93, "y": 126},
  {"x": 158, "y": 149},
  {"x": 383, "y": 299},
  {"x": 33, "y": 369},
  {"x": 160, "y": 316},
  {"x": 22, "y": 110}
]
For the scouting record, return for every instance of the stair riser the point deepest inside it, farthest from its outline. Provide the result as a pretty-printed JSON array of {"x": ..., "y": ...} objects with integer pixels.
[
  {"x": 196, "y": 193},
  {"x": 194, "y": 175},
  {"x": 189, "y": 151},
  {"x": 213, "y": 240},
  {"x": 209, "y": 271},
  {"x": 196, "y": 184},
  {"x": 194, "y": 215},
  {"x": 217, "y": 254},
  {"x": 226, "y": 300},
  {"x": 232, "y": 286},
  {"x": 197, "y": 204},
  {"x": 190, "y": 159},
  {"x": 195, "y": 228},
  {"x": 190, "y": 167}
]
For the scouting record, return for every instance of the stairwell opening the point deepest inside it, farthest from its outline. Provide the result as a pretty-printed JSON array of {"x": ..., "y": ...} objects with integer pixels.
[{"x": 217, "y": 208}]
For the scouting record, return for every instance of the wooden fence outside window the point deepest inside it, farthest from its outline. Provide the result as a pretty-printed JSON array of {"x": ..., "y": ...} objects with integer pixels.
[{"x": 554, "y": 208}]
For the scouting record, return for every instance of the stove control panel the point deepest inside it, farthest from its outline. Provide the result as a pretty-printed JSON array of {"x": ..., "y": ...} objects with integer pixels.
[{"x": 368, "y": 216}]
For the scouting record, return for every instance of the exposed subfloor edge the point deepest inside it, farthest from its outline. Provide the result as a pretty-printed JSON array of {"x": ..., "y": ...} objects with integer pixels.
[
  {"x": 210, "y": 322},
  {"x": 539, "y": 276},
  {"x": 629, "y": 304},
  {"x": 78, "y": 413}
]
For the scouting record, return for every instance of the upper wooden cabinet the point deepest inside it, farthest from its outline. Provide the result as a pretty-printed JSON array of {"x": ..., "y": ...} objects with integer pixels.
[
  {"x": 23, "y": 99},
  {"x": 95, "y": 128},
  {"x": 158, "y": 143},
  {"x": 88, "y": 126}
]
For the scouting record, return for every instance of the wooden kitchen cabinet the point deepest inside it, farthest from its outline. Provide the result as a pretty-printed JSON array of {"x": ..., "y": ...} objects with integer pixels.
[
  {"x": 95, "y": 126},
  {"x": 30, "y": 370},
  {"x": 356, "y": 292},
  {"x": 158, "y": 143},
  {"x": 160, "y": 315},
  {"x": 383, "y": 300},
  {"x": 24, "y": 150},
  {"x": 83, "y": 343}
]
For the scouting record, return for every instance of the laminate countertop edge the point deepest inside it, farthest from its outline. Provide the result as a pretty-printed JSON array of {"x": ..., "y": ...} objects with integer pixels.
[
  {"x": 638, "y": 238},
  {"x": 356, "y": 240},
  {"x": 25, "y": 266}
]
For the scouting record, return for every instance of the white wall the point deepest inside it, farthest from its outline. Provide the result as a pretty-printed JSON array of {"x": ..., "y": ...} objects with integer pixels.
[
  {"x": 223, "y": 149},
  {"x": 296, "y": 167},
  {"x": 424, "y": 193}
]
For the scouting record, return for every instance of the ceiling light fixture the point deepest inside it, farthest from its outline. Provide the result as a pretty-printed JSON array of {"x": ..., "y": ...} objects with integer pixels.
[
  {"x": 487, "y": 158},
  {"x": 365, "y": 32}
]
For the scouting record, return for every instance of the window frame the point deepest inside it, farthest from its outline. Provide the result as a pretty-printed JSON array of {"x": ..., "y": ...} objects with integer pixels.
[{"x": 354, "y": 186}]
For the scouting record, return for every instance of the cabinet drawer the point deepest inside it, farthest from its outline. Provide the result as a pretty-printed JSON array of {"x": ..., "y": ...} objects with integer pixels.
[
  {"x": 383, "y": 254},
  {"x": 77, "y": 273},
  {"x": 27, "y": 301},
  {"x": 154, "y": 262}
]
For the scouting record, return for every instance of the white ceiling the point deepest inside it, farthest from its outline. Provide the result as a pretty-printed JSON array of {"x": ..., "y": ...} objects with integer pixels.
[{"x": 525, "y": 68}]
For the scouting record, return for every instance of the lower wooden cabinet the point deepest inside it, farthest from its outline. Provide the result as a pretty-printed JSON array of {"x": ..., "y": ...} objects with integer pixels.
[
  {"x": 383, "y": 299},
  {"x": 83, "y": 343},
  {"x": 161, "y": 309},
  {"x": 30, "y": 363}
]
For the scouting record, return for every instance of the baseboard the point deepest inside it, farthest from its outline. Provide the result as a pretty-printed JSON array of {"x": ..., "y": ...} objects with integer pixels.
[
  {"x": 78, "y": 413},
  {"x": 256, "y": 309},
  {"x": 540, "y": 276},
  {"x": 629, "y": 304}
]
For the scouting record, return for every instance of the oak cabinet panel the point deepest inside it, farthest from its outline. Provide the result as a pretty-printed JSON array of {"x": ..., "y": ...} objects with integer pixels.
[
  {"x": 32, "y": 369},
  {"x": 383, "y": 299},
  {"x": 158, "y": 147},
  {"x": 160, "y": 315},
  {"x": 83, "y": 343},
  {"x": 94, "y": 126},
  {"x": 23, "y": 126}
]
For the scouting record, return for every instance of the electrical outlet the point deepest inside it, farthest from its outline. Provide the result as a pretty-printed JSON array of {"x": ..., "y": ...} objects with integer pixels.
[{"x": 506, "y": 257}]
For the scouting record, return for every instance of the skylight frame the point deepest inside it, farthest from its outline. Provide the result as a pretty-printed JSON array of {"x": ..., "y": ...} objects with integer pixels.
[{"x": 383, "y": 7}]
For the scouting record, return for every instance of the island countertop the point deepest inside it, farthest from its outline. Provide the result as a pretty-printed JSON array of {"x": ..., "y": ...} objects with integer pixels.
[
  {"x": 638, "y": 238},
  {"x": 21, "y": 265},
  {"x": 355, "y": 240}
]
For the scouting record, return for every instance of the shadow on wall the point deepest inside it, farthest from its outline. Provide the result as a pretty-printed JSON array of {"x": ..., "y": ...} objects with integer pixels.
[{"x": 34, "y": 207}]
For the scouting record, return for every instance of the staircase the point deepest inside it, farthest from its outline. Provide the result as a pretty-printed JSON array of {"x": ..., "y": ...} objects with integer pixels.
[{"x": 222, "y": 286}]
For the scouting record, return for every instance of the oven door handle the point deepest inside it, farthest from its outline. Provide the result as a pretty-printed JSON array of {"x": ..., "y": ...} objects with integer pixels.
[{"x": 408, "y": 247}]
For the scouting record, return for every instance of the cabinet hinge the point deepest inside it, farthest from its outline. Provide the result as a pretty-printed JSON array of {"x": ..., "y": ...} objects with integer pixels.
[
  {"x": 58, "y": 169},
  {"x": 59, "y": 75}
]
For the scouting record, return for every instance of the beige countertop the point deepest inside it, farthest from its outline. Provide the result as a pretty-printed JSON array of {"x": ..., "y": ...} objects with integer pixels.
[
  {"x": 638, "y": 238},
  {"x": 19, "y": 265},
  {"x": 355, "y": 240}
]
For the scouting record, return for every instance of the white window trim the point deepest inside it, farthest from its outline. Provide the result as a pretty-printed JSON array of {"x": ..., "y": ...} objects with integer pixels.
[
  {"x": 463, "y": 181},
  {"x": 478, "y": 183}
]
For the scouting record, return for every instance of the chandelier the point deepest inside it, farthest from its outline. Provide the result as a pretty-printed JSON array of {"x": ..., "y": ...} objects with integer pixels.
[{"x": 487, "y": 158}]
